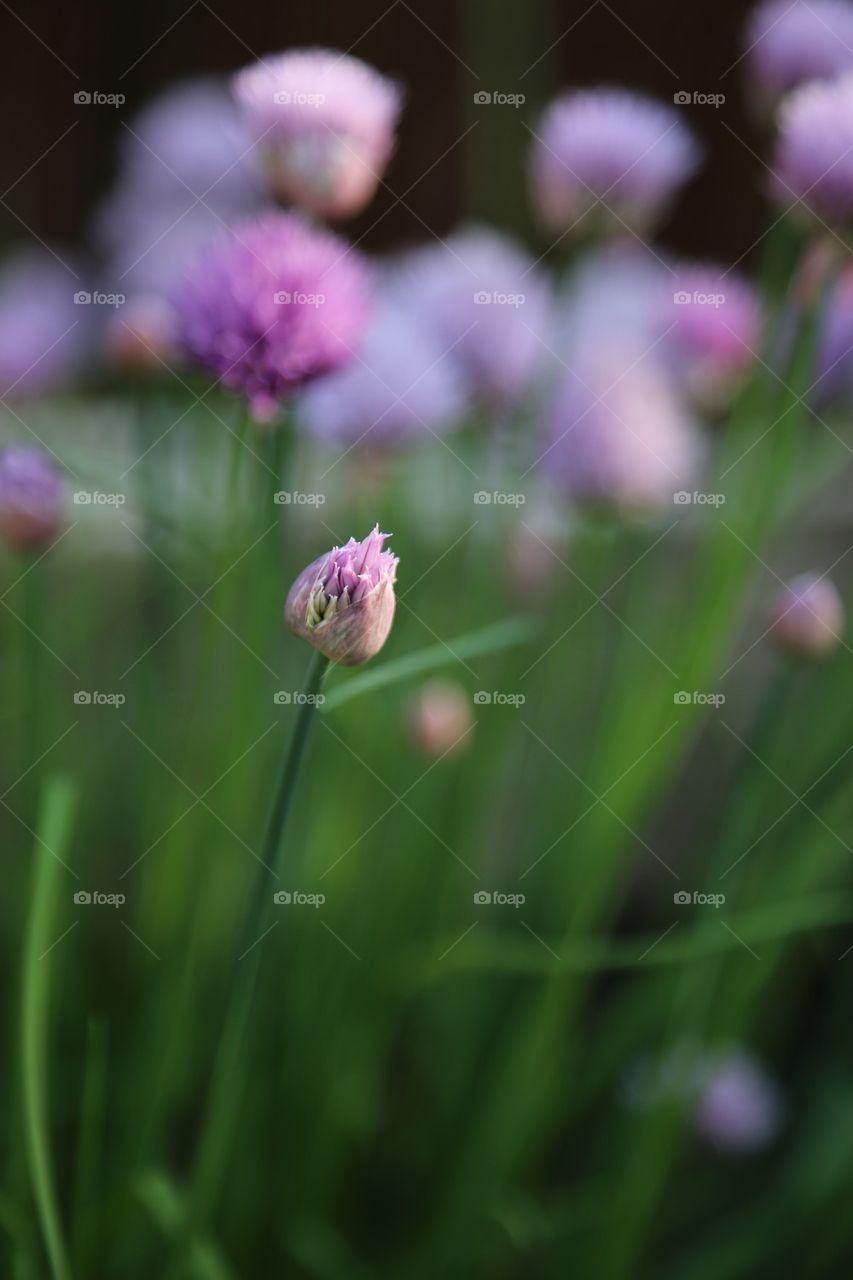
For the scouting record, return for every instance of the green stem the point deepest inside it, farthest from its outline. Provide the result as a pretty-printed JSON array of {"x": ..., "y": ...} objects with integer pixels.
[
  {"x": 224, "y": 1100},
  {"x": 54, "y": 827}
]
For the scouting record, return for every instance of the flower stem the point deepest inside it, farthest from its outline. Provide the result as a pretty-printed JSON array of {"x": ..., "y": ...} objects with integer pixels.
[
  {"x": 54, "y": 829},
  {"x": 224, "y": 1098}
]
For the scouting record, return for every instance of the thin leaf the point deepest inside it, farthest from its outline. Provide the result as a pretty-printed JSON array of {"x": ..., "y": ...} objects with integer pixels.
[{"x": 501, "y": 635}]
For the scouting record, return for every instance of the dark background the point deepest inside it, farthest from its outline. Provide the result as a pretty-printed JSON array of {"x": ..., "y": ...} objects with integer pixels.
[{"x": 58, "y": 156}]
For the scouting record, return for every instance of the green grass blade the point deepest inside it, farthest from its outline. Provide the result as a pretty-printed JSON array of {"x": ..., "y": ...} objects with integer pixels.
[
  {"x": 501, "y": 635},
  {"x": 54, "y": 829}
]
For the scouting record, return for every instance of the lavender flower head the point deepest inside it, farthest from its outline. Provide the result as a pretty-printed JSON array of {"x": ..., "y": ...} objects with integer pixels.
[
  {"x": 732, "y": 1103},
  {"x": 343, "y": 603},
  {"x": 402, "y": 386},
  {"x": 714, "y": 323},
  {"x": 186, "y": 167},
  {"x": 807, "y": 617},
  {"x": 619, "y": 435},
  {"x": 834, "y": 356},
  {"x": 789, "y": 44},
  {"x": 325, "y": 124},
  {"x": 270, "y": 306},
  {"x": 30, "y": 498},
  {"x": 813, "y": 163},
  {"x": 610, "y": 155},
  {"x": 738, "y": 1109},
  {"x": 488, "y": 306},
  {"x": 42, "y": 331}
]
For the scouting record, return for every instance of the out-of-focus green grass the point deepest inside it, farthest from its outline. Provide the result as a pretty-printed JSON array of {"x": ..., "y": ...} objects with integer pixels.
[{"x": 431, "y": 1086}]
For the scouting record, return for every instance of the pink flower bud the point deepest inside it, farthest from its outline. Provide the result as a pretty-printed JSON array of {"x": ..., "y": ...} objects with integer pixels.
[
  {"x": 143, "y": 339},
  {"x": 343, "y": 603},
  {"x": 439, "y": 718},
  {"x": 30, "y": 498},
  {"x": 325, "y": 125},
  {"x": 808, "y": 617}
]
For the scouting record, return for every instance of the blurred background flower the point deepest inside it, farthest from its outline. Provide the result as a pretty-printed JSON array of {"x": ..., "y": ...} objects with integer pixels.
[
  {"x": 610, "y": 158},
  {"x": 324, "y": 124}
]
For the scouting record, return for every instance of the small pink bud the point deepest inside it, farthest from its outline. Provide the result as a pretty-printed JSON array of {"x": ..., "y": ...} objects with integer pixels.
[
  {"x": 143, "y": 338},
  {"x": 808, "y": 617},
  {"x": 439, "y": 718},
  {"x": 30, "y": 498},
  {"x": 324, "y": 123},
  {"x": 343, "y": 603}
]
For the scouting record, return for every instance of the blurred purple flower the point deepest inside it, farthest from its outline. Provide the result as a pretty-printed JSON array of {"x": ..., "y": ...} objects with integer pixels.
[
  {"x": 42, "y": 331},
  {"x": 813, "y": 163},
  {"x": 610, "y": 154},
  {"x": 486, "y": 303},
  {"x": 788, "y": 44},
  {"x": 325, "y": 124},
  {"x": 618, "y": 294},
  {"x": 807, "y": 617},
  {"x": 186, "y": 169},
  {"x": 343, "y": 603},
  {"x": 732, "y": 1102},
  {"x": 272, "y": 305},
  {"x": 738, "y": 1109},
  {"x": 714, "y": 331},
  {"x": 619, "y": 434},
  {"x": 30, "y": 497},
  {"x": 401, "y": 387},
  {"x": 185, "y": 151}
]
